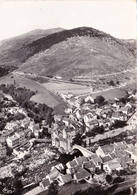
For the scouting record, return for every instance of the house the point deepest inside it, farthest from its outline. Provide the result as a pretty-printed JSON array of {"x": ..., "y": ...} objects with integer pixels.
[
  {"x": 133, "y": 155},
  {"x": 53, "y": 175},
  {"x": 104, "y": 150},
  {"x": 124, "y": 158},
  {"x": 57, "y": 118},
  {"x": 65, "y": 144},
  {"x": 59, "y": 167},
  {"x": 113, "y": 155},
  {"x": 89, "y": 166},
  {"x": 78, "y": 169},
  {"x": 45, "y": 184},
  {"x": 112, "y": 165},
  {"x": 107, "y": 123},
  {"x": 98, "y": 111},
  {"x": 69, "y": 133},
  {"x": 92, "y": 124},
  {"x": 97, "y": 161},
  {"x": 120, "y": 116},
  {"x": 89, "y": 116},
  {"x": 120, "y": 145},
  {"x": 63, "y": 179},
  {"x": 66, "y": 121},
  {"x": 25, "y": 122},
  {"x": 56, "y": 143},
  {"x": 92, "y": 157},
  {"x": 106, "y": 158},
  {"x": 2, "y": 148},
  {"x": 81, "y": 176},
  {"x": 89, "y": 99},
  {"x": 21, "y": 137},
  {"x": 13, "y": 141},
  {"x": 10, "y": 126},
  {"x": 71, "y": 164},
  {"x": 126, "y": 110},
  {"x": 80, "y": 160},
  {"x": 106, "y": 112},
  {"x": 68, "y": 110}
]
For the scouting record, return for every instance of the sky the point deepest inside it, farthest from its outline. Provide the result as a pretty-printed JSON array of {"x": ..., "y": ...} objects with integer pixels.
[{"x": 115, "y": 17}]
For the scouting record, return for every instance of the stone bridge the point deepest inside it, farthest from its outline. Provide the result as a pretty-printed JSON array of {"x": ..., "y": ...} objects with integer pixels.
[{"x": 83, "y": 150}]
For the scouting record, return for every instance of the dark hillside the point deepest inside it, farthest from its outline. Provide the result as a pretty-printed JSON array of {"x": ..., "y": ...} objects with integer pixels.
[
  {"x": 68, "y": 53},
  {"x": 10, "y": 49},
  {"x": 55, "y": 38}
]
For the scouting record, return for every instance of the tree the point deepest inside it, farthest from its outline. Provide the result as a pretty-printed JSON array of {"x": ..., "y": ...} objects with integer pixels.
[
  {"x": 52, "y": 190},
  {"x": 109, "y": 178},
  {"x": 112, "y": 83},
  {"x": 17, "y": 184},
  {"x": 77, "y": 139},
  {"x": 99, "y": 100}
]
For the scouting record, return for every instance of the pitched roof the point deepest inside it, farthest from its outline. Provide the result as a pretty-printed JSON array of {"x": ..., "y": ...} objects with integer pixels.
[
  {"x": 88, "y": 164},
  {"x": 93, "y": 122},
  {"x": 78, "y": 169},
  {"x": 80, "y": 160},
  {"x": 72, "y": 163},
  {"x": 13, "y": 138},
  {"x": 66, "y": 178},
  {"x": 114, "y": 164},
  {"x": 113, "y": 155},
  {"x": 97, "y": 160},
  {"x": 82, "y": 175},
  {"x": 106, "y": 158},
  {"x": 107, "y": 149},
  {"x": 120, "y": 146},
  {"x": 54, "y": 174}
]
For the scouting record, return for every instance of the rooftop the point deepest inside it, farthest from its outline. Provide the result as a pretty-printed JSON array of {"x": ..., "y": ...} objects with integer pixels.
[
  {"x": 106, "y": 158},
  {"x": 82, "y": 175},
  {"x": 66, "y": 178}
]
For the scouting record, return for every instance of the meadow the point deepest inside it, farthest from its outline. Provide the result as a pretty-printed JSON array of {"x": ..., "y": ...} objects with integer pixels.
[
  {"x": 42, "y": 95},
  {"x": 62, "y": 87}
]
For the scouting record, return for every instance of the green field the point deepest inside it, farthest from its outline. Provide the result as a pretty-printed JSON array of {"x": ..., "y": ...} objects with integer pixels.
[
  {"x": 42, "y": 95},
  {"x": 61, "y": 88}
]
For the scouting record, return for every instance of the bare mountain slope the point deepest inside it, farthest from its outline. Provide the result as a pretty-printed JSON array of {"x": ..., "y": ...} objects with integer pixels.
[
  {"x": 10, "y": 48},
  {"x": 68, "y": 53}
]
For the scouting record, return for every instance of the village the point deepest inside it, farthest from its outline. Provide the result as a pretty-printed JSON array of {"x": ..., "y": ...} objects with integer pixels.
[{"x": 78, "y": 129}]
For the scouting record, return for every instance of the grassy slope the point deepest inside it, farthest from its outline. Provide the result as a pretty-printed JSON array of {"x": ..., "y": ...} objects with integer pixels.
[
  {"x": 80, "y": 56},
  {"x": 80, "y": 51},
  {"x": 10, "y": 49},
  {"x": 42, "y": 95}
]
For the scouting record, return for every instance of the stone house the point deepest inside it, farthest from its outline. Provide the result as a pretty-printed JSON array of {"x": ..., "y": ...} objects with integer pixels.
[
  {"x": 13, "y": 141},
  {"x": 104, "y": 150},
  {"x": 112, "y": 165},
  {"x": 63, "y": 179},
  {"x": 81, "y": 176}
]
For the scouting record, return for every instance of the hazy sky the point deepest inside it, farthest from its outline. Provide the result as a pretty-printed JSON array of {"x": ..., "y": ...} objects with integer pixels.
[{"x": 116, "y": 17}]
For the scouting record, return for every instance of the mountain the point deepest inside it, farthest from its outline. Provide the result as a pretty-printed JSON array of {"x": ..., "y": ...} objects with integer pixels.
[
  {"x": 9, "y": 48},
  {"x": 68, "y": 53}
]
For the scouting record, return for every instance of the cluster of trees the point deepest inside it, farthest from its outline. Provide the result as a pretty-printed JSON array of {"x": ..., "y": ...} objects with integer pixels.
[
  {"x": 95, "y": 131},
  {"x": 99, "y": 100},
  {"x": 78, "y": 139},
  {"x": 4, "y": 70},
  {"x": 19, "y": 94},
  {"x": 11, "y": 186},
  {"x": 39, "y": 112},
  {"x": 52, "y": 190},
  {"x": 36, "y": 111}
]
